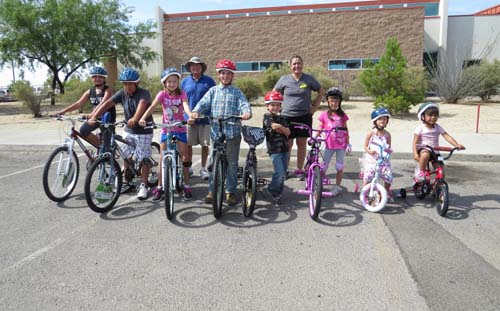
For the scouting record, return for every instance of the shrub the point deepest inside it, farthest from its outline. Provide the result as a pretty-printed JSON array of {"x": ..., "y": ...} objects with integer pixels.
[
  {"x": 250, "y": 87},
  {"x": 491, "y": 79},
  {"x": 271, "y": 75},
  {"x": 395, "y": 103},
  {"x": 24, "y": 92}
]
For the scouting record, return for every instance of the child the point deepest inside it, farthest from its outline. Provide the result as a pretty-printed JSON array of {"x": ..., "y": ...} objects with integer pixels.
[
  {"x": 135, "y": 101},
  {"x": 277, "y": 132},
  {"x": 173, "y": 102},
  {"x": 376, "y": 137},
  {"x": 338, "y": 141},
  {"x": 225, "y": 100},
  {"x": 428, "y": 133}
]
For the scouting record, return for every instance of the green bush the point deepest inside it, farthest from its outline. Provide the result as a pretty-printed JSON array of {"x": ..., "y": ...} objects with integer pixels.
[
  {"x": 250, "y": 87},
  {"x": 23, "y": 91},
  {"x": 395, "y": 103},
  {"x": 271, "y": 75},
  {"x": 490, "y": 82}
]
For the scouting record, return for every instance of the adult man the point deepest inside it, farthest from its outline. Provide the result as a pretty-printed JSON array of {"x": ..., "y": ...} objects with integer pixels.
[{"x": 195, "y": 86}]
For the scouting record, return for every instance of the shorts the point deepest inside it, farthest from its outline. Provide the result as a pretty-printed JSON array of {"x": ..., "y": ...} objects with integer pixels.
[
  {"x": 182, "y": 137},
  {"x": 198, "y": 134},
  {"x": 294, "y": 132},
  {"x": 86, "y": 129},
  {"x": 142, "y": 148}
]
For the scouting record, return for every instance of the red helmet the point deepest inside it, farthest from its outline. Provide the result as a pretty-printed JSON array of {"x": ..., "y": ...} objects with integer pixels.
[
  {"x": 273, "y": 96},
  {"x": 225, "y": 64}
]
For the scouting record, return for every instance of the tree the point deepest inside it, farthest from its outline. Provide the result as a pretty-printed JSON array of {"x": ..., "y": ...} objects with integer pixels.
[
  {"x": 391, "y": 81},
  {"x": 67, "y": 35}
]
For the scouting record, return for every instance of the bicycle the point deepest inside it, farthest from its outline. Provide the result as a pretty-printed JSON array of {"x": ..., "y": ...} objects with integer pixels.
[
  {"x": 373, "y": 195},
  {"x": 438, "y": 187},
  {"x": 314, "y": 170},
  {"x": 172, "y": 172},
  {"x": 103, "y": 183},
  {"x": 219, "y": 165},
  {"x": 60, "y": 181},
  {"x": 253, "y": 136}
]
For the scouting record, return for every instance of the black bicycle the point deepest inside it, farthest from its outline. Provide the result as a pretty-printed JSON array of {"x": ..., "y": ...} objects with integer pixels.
[
  {"x": 253, "y": 136},
  {"x": 103, "y": 182}
]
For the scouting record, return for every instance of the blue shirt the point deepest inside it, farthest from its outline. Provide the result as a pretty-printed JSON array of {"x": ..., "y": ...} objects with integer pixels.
[
  {"x": 224, "y": 101},
  {"x": 195, "y": 89}
]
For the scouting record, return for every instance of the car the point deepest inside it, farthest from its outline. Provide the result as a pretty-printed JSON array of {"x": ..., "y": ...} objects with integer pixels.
[{"x": 6, "y": 95}]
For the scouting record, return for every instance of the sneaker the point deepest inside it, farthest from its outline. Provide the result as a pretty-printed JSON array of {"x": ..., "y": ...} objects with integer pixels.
[
  {"x": 277, "y": 199},
  {"x": 336, "y": 190},
  {"x": 187, "y": 195},
  {"x": 208, "y": 198},
  {"x": 300, "y": 174},
  {"x": 420, "y": 177},
  {"x": 190, "y": 172},
  {"x": 231, "y": 199},
  {"x": 142, "y": 194},
  {"x": 157, "y": 194},
  {"x": 127, "y": 187},
  {"x": 204, "y": 173}
]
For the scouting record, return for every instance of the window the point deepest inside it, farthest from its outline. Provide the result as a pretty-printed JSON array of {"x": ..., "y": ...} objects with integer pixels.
[
  {"x": 257, "y": 66},
  {"x": 350, "y": 64}
]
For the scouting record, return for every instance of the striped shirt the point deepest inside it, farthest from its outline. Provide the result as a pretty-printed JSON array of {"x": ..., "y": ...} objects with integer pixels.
[{"x": 223, "y": 101}]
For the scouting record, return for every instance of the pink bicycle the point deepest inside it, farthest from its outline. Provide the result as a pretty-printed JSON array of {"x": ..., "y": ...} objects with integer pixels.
[{"x": 315, "y": 171}]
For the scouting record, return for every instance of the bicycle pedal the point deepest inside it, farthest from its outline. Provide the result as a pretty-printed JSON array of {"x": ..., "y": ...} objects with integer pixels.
[{"x": 261, "y": 182}]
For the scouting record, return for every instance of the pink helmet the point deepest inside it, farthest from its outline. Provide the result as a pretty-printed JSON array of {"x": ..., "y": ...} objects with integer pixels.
[
  {"x": 225, "y": 64},
  {"x": 273, "y": 96}
]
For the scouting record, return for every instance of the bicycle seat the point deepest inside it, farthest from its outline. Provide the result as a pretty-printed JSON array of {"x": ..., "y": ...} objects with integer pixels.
[{"x": 253, "y": 135}]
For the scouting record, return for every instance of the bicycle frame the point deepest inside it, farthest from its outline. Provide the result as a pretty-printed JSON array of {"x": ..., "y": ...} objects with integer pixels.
[
  {"x": 373, "y": 195},
  {"x": 75, "y": 136}
]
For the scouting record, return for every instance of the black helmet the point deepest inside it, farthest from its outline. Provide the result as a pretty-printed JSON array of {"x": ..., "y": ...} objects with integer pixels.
[{"x": 335, "y": 92}]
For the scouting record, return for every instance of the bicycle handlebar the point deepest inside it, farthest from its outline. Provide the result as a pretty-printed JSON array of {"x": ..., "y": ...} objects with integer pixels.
[
  {"x": 167, "y": 125},
  {"x": 311, "y": 130},
  {"x": 451, "y": 150}
]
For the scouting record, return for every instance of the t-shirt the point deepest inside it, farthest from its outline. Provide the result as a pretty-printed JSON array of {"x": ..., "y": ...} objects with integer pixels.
[
  {"x": 337, "y": 139},
  {"x": 296, "y": 94},
  {"x": 130, "y": 103},
  {"x": 429, "y": 136},
  {"x": 195, "y": 89},
  {"x": 173, "y": 110},
  {"x": 276, "y": 142}
]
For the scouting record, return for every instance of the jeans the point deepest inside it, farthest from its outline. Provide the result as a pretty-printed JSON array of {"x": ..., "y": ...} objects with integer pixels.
[
  {"x": 232, "y": 155},
  {"x": 280, "y": 163}
]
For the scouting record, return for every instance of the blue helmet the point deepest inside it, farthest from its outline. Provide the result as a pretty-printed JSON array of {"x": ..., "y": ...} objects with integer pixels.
[
  {"x": 98, "y": 71},
  {"x": 129, "y": 75},
  {"x": 171, "y": 71},
  {"x": 379, "y": 113}
]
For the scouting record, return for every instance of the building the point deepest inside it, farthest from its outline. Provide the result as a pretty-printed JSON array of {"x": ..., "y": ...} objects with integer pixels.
[{"x": 339, "y": 36}]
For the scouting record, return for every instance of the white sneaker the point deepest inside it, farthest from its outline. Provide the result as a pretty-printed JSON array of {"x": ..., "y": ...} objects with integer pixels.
[
  {"x": 190, "y": 172},
  {"x": 204, "y": 173},
  {"x": 142, "y": 194},
  {"x": 336, "y": 190}
]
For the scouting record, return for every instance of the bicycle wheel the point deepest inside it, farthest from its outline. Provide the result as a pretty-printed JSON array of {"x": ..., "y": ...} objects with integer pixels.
[
  {"x": 180, "y": 173},
  {"x": 377, "y": 201},
  {"x": 153, "y": 172},
  {"x": 249, "y": 189},
  {"x": 218, "y": 185},
  {"x": 60, "y": 174},
  {"x": 442, "y": 197},
  {"x": 103, "y": 184},
  {"x": 169, "y": 190},
  {"x": 315, "y": 196}
]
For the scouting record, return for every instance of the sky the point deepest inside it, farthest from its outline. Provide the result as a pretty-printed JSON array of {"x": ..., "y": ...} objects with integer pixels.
[{"x": 145, "y": 10}]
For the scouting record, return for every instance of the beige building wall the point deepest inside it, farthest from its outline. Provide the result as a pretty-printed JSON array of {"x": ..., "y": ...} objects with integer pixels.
[{"x": 316, "y": 37}]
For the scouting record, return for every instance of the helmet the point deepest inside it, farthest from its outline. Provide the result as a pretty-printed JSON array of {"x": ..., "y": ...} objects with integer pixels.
[
  {"x": 225, "y": 64},
  {"x": 171, "y": 71},
  {"x": 273, "y": 96},
  {"x": 379, "y": 113},
  {"x": 196, "y": 60},
  {"x": 424, "y": 107},
  {"x": 334, "y": 91},
  {"x": 98, "y": 71},
  {"x": 129, "y": 75}
]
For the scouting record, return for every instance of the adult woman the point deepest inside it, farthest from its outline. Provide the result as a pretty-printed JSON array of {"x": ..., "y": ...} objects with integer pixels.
[{"x": 297, "y": 107}]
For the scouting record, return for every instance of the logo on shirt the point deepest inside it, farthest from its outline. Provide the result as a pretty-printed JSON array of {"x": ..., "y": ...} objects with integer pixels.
[{"x": 303, "y": 85}]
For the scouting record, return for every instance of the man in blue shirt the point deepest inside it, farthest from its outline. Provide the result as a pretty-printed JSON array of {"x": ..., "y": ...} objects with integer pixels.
[
  {"x": 195, "y": 86},
  {"x": 225, "y": 100}
]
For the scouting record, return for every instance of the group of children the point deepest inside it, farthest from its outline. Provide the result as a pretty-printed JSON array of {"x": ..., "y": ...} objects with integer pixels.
[
  {"x": 225, "y": 99},
  {"x": 338, "y": 143}
]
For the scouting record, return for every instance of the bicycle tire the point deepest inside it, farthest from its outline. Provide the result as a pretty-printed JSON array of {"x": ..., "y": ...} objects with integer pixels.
[
  {"x": 316, "y": 193},
  {"x": 420, "y": 190},
  {"x": 65, "y": 181},
  {"x": 103, "y": 184},
  {"x": 153, "y": 174},
  {"x": 442, "y": 198},
  {"x": 249, "y": 189},
  {"x": 377, "y": 202},
  {"x": 169, "y": 190},
  {"x": 180, "y": 173},
  {"x": 218, "y": 186}
]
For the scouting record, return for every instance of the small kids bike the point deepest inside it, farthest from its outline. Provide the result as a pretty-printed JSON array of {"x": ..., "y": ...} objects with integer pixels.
[
  {"x": 438, "y": 187},
  {"x": 315, "y": 171},
  {"x": 373, "y": 196},
  {"x": 253, "y": 136}
]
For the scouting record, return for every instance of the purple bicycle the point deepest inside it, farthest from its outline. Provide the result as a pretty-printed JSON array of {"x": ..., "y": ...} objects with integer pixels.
[{"x": 315, "y": 171}]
